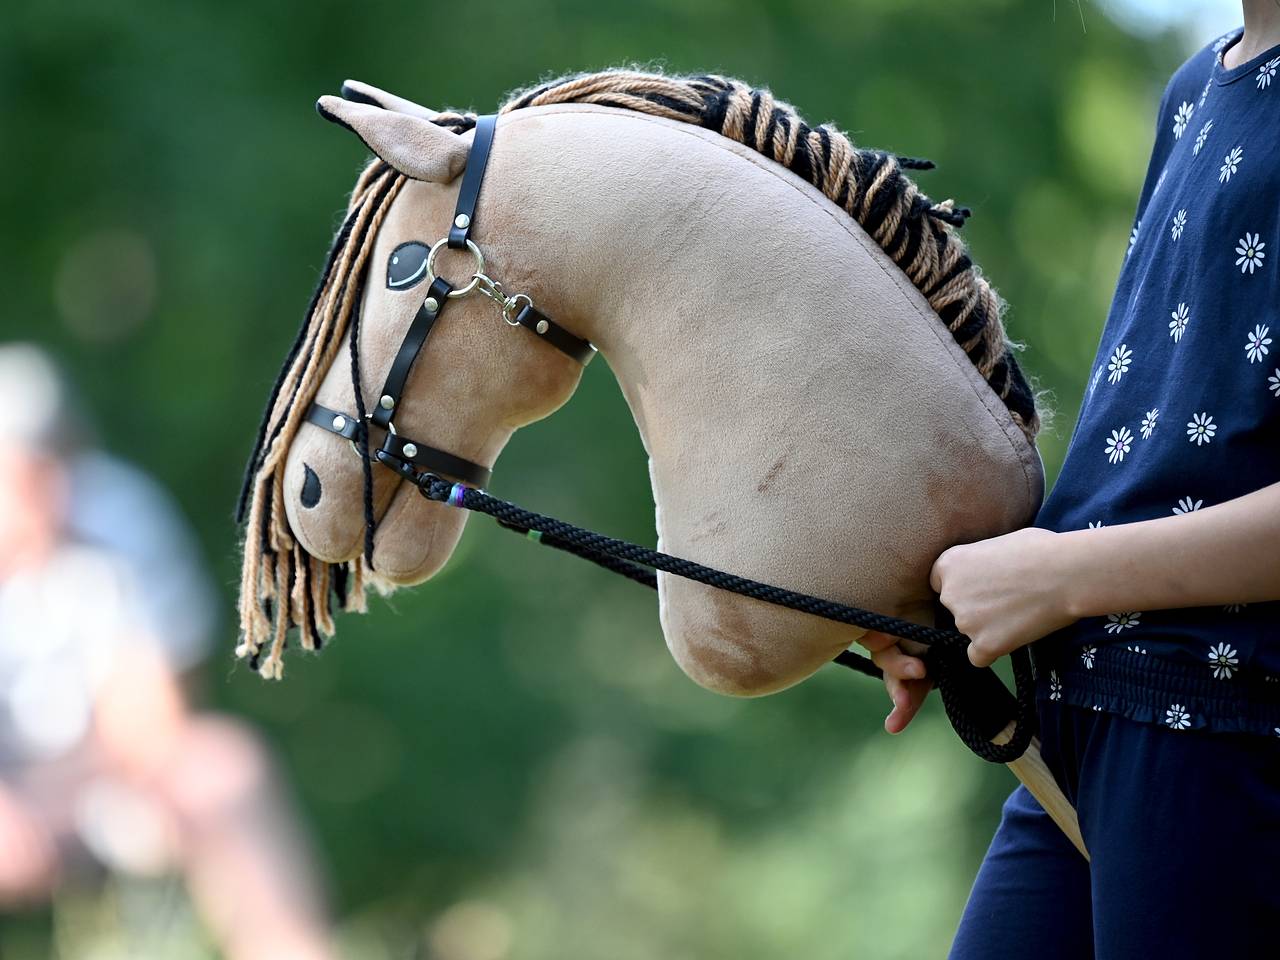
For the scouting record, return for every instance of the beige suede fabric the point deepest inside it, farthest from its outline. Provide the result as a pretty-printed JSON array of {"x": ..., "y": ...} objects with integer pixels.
[{"x": 810, "y": 421}]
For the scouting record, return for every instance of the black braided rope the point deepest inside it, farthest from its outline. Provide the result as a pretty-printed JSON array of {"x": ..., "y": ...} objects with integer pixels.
[
  {"x": 632, "y": 571},
  {"x": 958, "y": 682}
]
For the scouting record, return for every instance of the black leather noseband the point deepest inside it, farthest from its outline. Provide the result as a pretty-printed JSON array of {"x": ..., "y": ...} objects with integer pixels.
[{"x": 518, "y": 311}]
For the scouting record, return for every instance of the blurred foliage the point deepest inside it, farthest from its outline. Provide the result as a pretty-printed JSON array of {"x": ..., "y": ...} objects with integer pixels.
[{"x": 506, "y": 762}]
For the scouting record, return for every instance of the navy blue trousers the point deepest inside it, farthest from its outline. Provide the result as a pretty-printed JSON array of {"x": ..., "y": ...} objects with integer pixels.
[{"x": 1183, "y": 828}]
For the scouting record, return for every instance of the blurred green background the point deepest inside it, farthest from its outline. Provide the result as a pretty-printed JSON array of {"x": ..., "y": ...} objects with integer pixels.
[{"x": 506, "y": 762}]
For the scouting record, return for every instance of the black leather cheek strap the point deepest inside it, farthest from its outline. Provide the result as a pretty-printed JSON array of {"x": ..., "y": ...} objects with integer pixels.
[
  {"x": 384, "y": 406},
  {"x": 464, "y": 216},
  {"x": 547, "y": 329}
]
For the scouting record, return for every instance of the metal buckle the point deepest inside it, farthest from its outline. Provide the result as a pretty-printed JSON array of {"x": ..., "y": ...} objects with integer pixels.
[
  {"x": 476, "y": 273},
  {"x": 391, "y": 428},
  {"x": 509, "y": 308},
  {"x": 493, "y": 290}
]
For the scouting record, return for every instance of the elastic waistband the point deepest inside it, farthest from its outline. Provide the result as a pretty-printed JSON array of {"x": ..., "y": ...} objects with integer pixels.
[{"x": 1116, "y": 679}]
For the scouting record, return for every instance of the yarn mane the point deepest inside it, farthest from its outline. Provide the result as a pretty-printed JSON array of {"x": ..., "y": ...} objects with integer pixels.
[
  {"x": 869, "y": 185},
  {"x": 283, "y": 586}
]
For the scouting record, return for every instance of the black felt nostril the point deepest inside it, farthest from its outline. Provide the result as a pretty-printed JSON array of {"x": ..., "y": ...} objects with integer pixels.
[{"x": 310, "y": 488}]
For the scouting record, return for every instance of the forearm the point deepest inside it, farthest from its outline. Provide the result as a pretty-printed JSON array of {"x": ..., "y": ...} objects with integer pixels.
[{"x": 1227, "y": 553}]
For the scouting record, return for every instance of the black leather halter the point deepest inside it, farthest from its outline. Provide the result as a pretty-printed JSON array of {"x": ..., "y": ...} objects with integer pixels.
[{"x": 517, "y": 311}]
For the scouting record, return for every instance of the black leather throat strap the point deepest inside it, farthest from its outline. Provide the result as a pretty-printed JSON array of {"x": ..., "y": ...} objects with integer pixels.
[
  {"x": 464, "y": 216},
  {"x": 424, "y": 457},
  {"x": 547, "y": 329},
  {"x": 384, "y": 407}
]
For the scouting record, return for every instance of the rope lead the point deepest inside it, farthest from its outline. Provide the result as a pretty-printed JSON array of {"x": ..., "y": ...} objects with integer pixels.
[{"x": 976, "y": 702}]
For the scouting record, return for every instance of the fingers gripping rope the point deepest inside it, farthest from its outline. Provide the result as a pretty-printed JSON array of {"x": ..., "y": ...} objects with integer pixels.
[{"x": 977, "y": 703}]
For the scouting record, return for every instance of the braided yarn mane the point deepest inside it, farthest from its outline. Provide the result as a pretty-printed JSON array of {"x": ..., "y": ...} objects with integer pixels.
[{"x": 283, "y": 586}]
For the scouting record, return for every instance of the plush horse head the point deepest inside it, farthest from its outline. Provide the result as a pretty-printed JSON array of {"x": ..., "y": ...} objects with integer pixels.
[{"x": 819, "y": 373}]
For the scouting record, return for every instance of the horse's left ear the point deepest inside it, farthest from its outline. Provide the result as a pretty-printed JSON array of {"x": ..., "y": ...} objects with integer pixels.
[{"x": 413, "y": 145}]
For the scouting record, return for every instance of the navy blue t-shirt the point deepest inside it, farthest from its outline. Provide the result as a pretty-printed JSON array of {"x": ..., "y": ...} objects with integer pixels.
[{"x": 1182, "y": 410}]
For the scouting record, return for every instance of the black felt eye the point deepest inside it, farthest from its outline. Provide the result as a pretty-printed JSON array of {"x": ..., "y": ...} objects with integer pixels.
[{"x": 408, "y": 265}]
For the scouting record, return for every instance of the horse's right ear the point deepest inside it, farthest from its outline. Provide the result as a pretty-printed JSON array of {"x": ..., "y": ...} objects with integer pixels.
[
  {"x": 358, "y": 92},
  {"x": 413, "y": 145}
]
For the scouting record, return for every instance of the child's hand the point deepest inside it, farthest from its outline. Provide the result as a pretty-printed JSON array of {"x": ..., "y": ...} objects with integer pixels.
[
  {"x": 904, "y": 678},
  {"x": 1004, "y": 592}
]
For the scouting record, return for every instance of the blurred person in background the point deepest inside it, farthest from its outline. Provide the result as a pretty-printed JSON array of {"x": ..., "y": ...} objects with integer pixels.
[{"x": 104, "y": 606}]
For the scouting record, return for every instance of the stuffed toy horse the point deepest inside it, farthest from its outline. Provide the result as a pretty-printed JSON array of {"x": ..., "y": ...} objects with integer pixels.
[{"x": 818, "y": 370}]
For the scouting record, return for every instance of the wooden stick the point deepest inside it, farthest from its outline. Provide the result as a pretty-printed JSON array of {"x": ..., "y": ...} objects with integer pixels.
[{"x": 1031, "y": 769}]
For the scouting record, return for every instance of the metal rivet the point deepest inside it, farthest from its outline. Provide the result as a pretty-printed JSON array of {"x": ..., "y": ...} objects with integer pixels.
[
  {"x": 387, "y": 402},
  {"x": 410, "y": 450},
  {"x": 432, "y": 304},
  {"x": 542, "y": 326},
  {"x": 462, "y": 221},
  {"x": 339, "y": 423}
]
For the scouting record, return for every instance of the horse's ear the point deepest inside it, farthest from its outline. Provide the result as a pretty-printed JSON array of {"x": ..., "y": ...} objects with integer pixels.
[
  {"x": 357, "y": 92},
  {"x": 416, "y": 147}
]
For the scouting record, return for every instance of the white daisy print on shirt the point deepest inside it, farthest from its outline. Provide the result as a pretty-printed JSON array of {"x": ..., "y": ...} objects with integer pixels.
[
  {"x": 1233, "y": 607},
  {"x": 1133, "y": 237},
  {"x": 1087, "y": 655},
  {"x": 1119, "y": 622},
  {"x": 1187, "y": 505},
  {"x": 1134, "y": 648},
  {"x": 1096, "y": 524},
  {"x": 1179, "y": 222},
  {"x": 1149, "y": 422},
  {"x": 1204, "y": 94},
  {"x": 1201, "y": 428},
  {"x": 1251, "y": 254},
  {"x": 1118, "y": 365},
  {"x": 1201, "y": 137},
  {"x": 1267, "y": 73},
  {"x": 1177, "y": 717},
  {"x": 1119, "y": 444},
  {"x": 1055, "y": 686},
  {"x": 1255, "y": 345},
  {"x": 1230, "y": 164},
  {"x": 1182, "y": 118},
  {"x": 1093, "y": 384},
  {"x": 1178, "y": 325},
  {"x": 1273, "y": 383},
  {"x": 1222, "y": 660},
  {"x": 1222, "y": 41}
]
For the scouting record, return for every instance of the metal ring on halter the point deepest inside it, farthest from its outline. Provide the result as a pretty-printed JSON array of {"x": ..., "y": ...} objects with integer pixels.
[
  {"x": 475, "y": 278},
  {"x": 510, "y": 308},
  {"x": 391, "y": 428}
]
